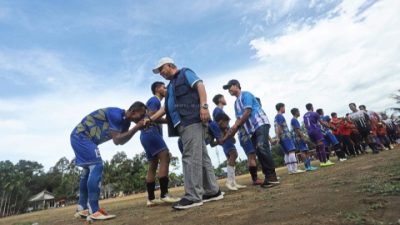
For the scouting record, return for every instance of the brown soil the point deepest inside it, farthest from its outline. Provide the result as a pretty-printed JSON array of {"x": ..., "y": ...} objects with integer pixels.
[{"x": 362, "y": 190}]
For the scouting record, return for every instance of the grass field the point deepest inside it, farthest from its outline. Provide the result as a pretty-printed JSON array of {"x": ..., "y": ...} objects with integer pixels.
[{"x": 361, "y": 190}]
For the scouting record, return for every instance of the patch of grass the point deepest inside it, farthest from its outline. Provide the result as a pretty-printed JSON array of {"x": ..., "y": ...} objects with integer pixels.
[
  {"x": 355, "y": 218},
  {"x": 376, "y": 205},
  {"x": 23, "y": 223},
  {"x": 389, "y": 184}
]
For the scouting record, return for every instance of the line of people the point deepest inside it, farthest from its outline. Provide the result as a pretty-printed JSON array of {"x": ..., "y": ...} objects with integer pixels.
[{"x": 188, "y": 117}]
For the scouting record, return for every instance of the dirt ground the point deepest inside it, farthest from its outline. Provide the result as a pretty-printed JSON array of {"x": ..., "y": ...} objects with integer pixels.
[{"x": 361, "y": 190}]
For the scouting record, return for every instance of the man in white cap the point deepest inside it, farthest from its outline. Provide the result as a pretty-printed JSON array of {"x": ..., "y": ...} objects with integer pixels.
[{"x": 187, "y": 115}]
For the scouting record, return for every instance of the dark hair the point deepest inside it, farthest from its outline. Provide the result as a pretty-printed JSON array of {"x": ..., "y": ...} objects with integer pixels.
[
  {"x": 279, "y": 106},
  {"x": 352, "y": 104},
  {"x": 362, "y": 106},
  {"x": 333, "y": 114},
  {"x": 319, "y": 111},
  {"x": 309, "y": 106},
  {"x": 294, "y": 111},
  {"x": 136, "y": 106},
  {"x": 216, "y": 98},
  {"x": 155, "y": 85},
  {"x": 222, "y": 116}
]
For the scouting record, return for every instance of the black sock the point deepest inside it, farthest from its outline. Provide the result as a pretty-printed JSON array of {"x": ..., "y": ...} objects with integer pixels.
[
  {"x": 253, "y": 172},
  {"x": 150, "y": 190},
  {"x": 163, "y": 186}
]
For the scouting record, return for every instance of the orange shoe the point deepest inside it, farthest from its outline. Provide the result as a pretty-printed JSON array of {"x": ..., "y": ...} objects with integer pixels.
[{"x": 101, "y": 214}]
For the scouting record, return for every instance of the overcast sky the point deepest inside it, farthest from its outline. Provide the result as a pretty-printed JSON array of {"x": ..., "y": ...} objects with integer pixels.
[{"x": 60, "y": 60}]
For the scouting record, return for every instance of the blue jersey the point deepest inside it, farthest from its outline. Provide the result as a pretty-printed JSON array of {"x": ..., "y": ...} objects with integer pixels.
[
  {"x": 280, "y": 121},
  {"x": 213, "y": 131},
  {"x": 192, "y": 79},
  {"x": 97, "y": 125},
  {"x": 216, "y": 112},
  {"x": 257, "y": 118},
  {"x": 154, "y": 104}
]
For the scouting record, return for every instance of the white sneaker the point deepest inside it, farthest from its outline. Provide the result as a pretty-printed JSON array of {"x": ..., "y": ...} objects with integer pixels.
[
  {"x": 297, "y": 171},
  {"x": 239, "y": 186},
  {"x": 154, "y": 202},
  {"x": 342, "y": 159},
  {"x": 170, "y": 199},
  {"x": 231, "y": 186}
]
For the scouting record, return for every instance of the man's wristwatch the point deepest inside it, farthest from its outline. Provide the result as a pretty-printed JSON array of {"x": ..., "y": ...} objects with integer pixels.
[{"x": 204, "y": 106}]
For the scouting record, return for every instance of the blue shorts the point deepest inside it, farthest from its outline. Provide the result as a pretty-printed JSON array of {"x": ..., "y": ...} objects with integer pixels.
[
  {"x": 301, "y": 145},
  {"x": 287, "y": 145},
  {"x": 329, "y": 138},
  {"x": 86, "y": 152},
  {"x": 247, "y": 146},
  {"x": 228, "y": 146},
  {"x": 152, "y": 142}
]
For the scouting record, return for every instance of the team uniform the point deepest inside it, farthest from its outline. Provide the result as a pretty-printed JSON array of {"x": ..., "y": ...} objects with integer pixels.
[
  {"x": 287, "y": 144},
  {"x": 285, "y": 140},
  {"x": 92, "y": 131},
  {"x": 151, "y": 137},
  {"x": 363, "y": 124},
  {"x": 331, "y": 140},
  {"x": 217, "y": 111},
  {"x": 314, "y": 132},
  {"x": 299, "y": 142},
  {"x": 257, "y": 128}
]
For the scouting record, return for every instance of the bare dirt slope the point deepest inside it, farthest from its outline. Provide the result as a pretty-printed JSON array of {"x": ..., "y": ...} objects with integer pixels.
[{"x": 362, "y": 190}]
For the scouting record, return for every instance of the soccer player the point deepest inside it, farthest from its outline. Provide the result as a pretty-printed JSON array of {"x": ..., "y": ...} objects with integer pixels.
[
  {"x": 363, "y": 123},
  {"x": 244, "y": 139},
  {"x": 330, "y": 139},
  {"x": 312, "y": 123},
  {"x": 96, "y": 128},
  {"x": 156, "y": 150},
  {"x": 219, "y": 101},
  {"x": 300, "y": 140},
  {"x": 283, "y": 137},
  {"x": 252, "y": 117}
]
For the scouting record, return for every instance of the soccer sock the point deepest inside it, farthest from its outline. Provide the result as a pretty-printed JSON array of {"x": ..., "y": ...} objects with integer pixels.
[
  {"x": 286, "y": 159},
  {"x": 83, "y": 189},
  {"x": 231, "y": 174},
  {"x": 253, "y": 172},
  {"x": 327, "y": 152},
  {"x": 306, "y": 162},
  {"x": 322, "y": 153},
  {"x": 94, "y": 183},
  {"x": 163, "y": 186},
  {"x": 293, "y": 161},
  {"x": 151, "y": 186}
]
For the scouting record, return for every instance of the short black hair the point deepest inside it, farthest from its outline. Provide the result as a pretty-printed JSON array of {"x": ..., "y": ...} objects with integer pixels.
[
  {"x": 353, "y": 104},
  {"x": 319, "y": 111},
  {"x": 216, "y": 98},
  {"x": 222, "y": 116},
  {"x": 294, "y": 111},
  {"x": 309, "y": 106},
  {"x": 279, "y": 106},
  {"x": 136, "y": 106},
  {"x": 155, "y": 85},
  {"x": 362, "y": 106},
  {"x": 333, "y": 114}
]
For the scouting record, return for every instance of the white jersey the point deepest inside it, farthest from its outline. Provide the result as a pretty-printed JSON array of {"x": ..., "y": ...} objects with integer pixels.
[{"x": 360, "y": 118}]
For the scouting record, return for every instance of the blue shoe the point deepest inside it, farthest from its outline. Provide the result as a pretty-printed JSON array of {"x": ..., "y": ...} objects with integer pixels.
[{"x": 311, "y": 168}]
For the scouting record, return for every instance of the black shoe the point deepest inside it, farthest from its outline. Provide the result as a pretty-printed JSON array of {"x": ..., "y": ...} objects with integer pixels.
[
  {"x": 185, "y": 204},
  {"x": 218, "y": 196}
]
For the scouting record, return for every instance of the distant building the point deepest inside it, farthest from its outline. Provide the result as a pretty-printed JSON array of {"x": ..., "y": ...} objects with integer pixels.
[{"x": 42, "y": 200}]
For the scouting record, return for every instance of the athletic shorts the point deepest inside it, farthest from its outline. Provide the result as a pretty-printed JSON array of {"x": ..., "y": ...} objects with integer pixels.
[
  {"x": 330, "y": 139},
  {"x": 152, "y": 142},
  {"x": 287, "y": 145},
  {"x": 228, "y": 146},
  {"x": 315, "y": 136},
  {"x": 247, "y": 146},
  {"x": 301, "y": 145},
  {"x": 86, "y": 152}
]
